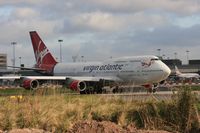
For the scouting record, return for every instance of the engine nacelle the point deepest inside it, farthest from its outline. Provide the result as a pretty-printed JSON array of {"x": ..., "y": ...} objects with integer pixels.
[
  {"x": 77, "y": 85},
  {"x": 30, "y": 84}
]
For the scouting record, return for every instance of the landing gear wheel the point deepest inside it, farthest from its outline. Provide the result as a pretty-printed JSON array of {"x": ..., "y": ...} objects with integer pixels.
[
  {"x": 114, "y": 91},
  {"x": 90, "y": 90},
  {"x": 150, "y": 90},
  {"x": 99, "y": 91},
  {"x": 83, "y": 92},
  {"x": 154, "y": 90},
  {"x": 87, "y": 91}
]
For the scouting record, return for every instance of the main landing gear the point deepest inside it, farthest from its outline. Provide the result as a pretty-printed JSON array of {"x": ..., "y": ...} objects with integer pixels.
[
  {"x": 153, "y": 88},
  {"x": 94, "y": 88}
]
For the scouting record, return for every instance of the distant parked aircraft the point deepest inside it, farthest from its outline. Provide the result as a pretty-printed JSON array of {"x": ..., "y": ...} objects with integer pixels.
[
  {"x": 90, "y": 77},
  {"x": 186, "y": 75}
]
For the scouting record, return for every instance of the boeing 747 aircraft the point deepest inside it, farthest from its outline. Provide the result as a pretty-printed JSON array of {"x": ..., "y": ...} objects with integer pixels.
[{"x": 90, "y": 77}]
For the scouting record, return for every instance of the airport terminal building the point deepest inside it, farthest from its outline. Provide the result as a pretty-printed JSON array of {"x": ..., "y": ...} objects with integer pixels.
[
  {"x": 193, "y": 66},
  {"x": 3, "y": 61}
]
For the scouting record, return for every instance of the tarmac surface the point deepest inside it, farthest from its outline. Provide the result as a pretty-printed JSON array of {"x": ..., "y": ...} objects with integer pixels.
[{"x": 144, "y": 96}]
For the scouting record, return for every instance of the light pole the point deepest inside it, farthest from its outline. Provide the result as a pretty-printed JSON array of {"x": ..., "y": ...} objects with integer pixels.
[
  {"x": 60, "y": 41},
  {"x": 175, "y": 55},
  {"x": 163, "y": 56},
  {"x": 187, "y": 52},
  {"x": 82, "y": 57},
  {"x": 13, "y": 43},
  {"x": 20, "y": 61},
  {"x": 74, "y": 58},
  {"x": 159, "y": 52}
]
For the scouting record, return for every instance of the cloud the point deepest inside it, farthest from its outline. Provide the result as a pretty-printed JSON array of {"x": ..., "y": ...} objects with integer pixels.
[
  {"x": 98, "y": 21},
  {"x": 178, "y": 6},
  {"x": 170, "y": 36},
  {"x": 107, "y": 22},
  {"x": 100, "y": 29},
  {"x": 25, "y": 13}
]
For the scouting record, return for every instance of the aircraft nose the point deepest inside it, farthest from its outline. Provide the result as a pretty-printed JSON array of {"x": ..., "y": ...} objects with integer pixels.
[{"x": 166, "y": 71}]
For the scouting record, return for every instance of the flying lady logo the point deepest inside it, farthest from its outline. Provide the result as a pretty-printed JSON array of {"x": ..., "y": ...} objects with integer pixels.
[
  {"x": 39, "y": 55},
  {"x": 146, "y": 63}
]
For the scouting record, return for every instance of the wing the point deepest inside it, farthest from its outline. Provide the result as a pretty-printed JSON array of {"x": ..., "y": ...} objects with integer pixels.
[
  {"x": 28, "y": 68},
  {"x": 61, "y": 78},
  {"x": 85, "y": 78},
  {"x": 73, "y": 82},
  {"x": 10, "y": 77},
  {"x": 95, "y": 79}
]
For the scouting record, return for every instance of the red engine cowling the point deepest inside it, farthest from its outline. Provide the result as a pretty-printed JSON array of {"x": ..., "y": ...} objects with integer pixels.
[
  {"x": 77, "y": 85},
  {"x": 148, "y": 86},
  {"x": 30, "y": 84}
]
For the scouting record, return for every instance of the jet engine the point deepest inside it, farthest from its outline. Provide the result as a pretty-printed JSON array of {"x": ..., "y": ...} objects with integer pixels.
[
  {"x": 77, "y": 85},
  {"x": 30, "y": 84}
]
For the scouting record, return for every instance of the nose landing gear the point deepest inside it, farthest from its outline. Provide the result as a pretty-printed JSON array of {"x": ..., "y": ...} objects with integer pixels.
[{"x": 151, "y": 88}]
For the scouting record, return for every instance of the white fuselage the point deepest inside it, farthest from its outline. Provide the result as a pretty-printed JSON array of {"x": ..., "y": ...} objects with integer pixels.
[
  {"x": 188, "y": 75},
  {"x": 138, "y": 70}
]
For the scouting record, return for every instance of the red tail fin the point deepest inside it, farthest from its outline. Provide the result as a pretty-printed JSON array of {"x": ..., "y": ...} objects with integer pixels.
[{"x": 44, "y": 59}]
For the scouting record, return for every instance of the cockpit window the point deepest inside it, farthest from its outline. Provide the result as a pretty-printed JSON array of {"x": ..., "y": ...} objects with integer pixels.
[{"x": 155, "y": 59}]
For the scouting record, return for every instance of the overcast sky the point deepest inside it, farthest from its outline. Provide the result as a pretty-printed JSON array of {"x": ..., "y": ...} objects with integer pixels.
[{"x": 99, "y": 29}]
